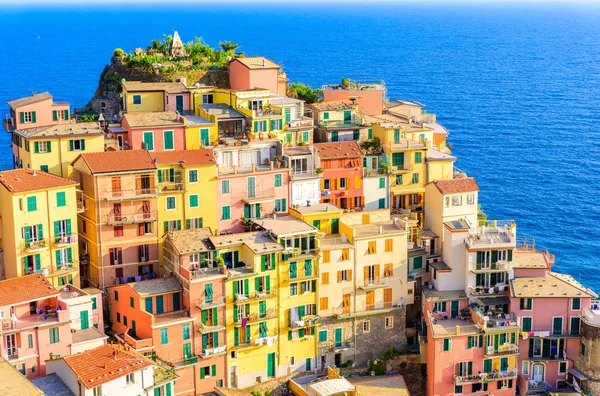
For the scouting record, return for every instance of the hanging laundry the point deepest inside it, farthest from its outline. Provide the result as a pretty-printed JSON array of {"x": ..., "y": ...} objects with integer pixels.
[{"x": 244, "y": 322}]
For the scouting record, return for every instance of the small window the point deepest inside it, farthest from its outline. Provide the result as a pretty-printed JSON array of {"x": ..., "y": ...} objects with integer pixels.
[
  {"x": 366, "y": 325},
  {"x": 342, "y": 183},
  {"x": 77, "y": 145},
  {"x": 225, "y": 187},
  {"x": 130, "y": 379},
  {"x": 137, "y": 99},
  {"x": 194, "y": 201},
  {"x": 418, "y": 157},
  {"x": 193, "y": 176},
  {"x": 292, "y": 361},
  {"x": 171, "y": 203},
  {"x": 457, "y": 200},
  {"x": 131, "y": 302},
  {"x": 447, "y": 344},
  {"x": 389, "y": 322},
  {"x": 382, "y": 182},
  {"x": 576, "y": 304},
  {"x": 372, "y": 247},
  {"x": 97, "y": 391},
  {"x": 323, "y": 336},
  {"x": 293, "y": 289},
  {"x": 525, "y": 367},
  {"x": 345, "y": 254},
  {"x": 562, "y": 367},
  {"x": 54, "y": 335},
  {"x": 470, "y": 199},
  {"x": 226, "y": 213},
  {"x": 458, "y": 389},
  {"x": 526, "y": 304},
  {"x": 326, "y": 184},
  {"x": 233, "y": 354}
]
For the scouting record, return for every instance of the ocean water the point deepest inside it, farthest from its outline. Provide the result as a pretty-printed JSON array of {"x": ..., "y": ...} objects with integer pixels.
[{"x": 517, "y": 86}]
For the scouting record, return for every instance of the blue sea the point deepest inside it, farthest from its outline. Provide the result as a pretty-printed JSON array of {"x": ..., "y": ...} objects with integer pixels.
[{"x": 517, "y": 86}]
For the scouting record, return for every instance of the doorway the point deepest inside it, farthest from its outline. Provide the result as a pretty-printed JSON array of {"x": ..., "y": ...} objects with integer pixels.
[
  {"x": 338, "y": 360},
  {"x": 538, "y": 372}
]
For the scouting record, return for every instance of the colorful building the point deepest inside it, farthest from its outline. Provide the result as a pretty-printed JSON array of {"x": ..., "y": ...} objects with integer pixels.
[
  {"x": 368, "y": 97},
  {"x": 342, "y": 165},
  {"x": 39, "y": 226},
  {"x": 40, "y": 322},
  {"x": 338, "y": 121},
  {"x": 155, "y": 97},
  {"x": 153, "y": 131},
  {"x": 305, "y": 180},
  {"x": 118, "y": 230},
  {"x": 256, "y": 72}
]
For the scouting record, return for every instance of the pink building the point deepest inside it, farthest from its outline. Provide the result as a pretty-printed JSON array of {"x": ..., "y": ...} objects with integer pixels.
[
  {"x": 369, "y": 97},
  {"x": 549, "y": 307},
  {"x": 250, "y": 184},
  {"x": 154, "y": 131},
  {"x": 39, "y": 321},
  {"x": 255, "y": 72}
]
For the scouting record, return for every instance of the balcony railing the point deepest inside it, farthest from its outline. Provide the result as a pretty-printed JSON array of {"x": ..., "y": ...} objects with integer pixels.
[
  {"x": 375, "y": 283},
  {"x": 131, "y": 218},
  {"x": 307, "y": 174},
  {"x": 550, "y": 332},
  {"x": 488, "y": 319},
  {"x": 305, "y": 321},
  {"x": 484, "y": 377},
  {"x": 62, "y": 240},
  {"x": 204, "y": 329},
  {"x": 254, "y": 296},
  {"x": 171, "y": 316},
  {"x": 553, "y": 354},
  {"x": 214, "y": 351},
  {"x": 80, "y": 206},
  {"x": 185, "y": 362},
  {"x": 490, "y": 267},
  {"x": 60, "y": 269},
  {"x": 256, "y": 317},
  {"x": 207, "y": 302},
  {"x": 241, "y": 272},
  {"x": 258, "y": 194},
  {"x": 592, "y": 316},
  {"x": 300, "y": 122},
  {"x": 481, "y": 290},
  {"x": 33, "y": 246},
  {"x": 502, "y": 350},
  {"x": 401, "y": 168},
  {"x": 493, "y": 233},
  {"x": 357, "y": 122},
  {"x": 135, "y": 193}
]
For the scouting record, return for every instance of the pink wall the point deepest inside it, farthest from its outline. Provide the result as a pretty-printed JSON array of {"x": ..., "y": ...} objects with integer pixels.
[
  {"x": 135, "y": 136},
  {"x": 43, "y": 114},
  {"x": 544, "y": 309},
  {"x": 369, "y": 102},
  {"x": 529, "y": 272},
  {"x": 240, "y": 77},
  {"x": 171, "y": 101},
  {"x": 350, "y": 191},
  {"x": 264, "y": 187}
]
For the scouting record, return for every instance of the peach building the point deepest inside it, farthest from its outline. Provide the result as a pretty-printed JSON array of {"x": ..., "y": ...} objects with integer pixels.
[
  {"x": 368, "y": 97},
  {"x": 153, "y": 131},
  {"x": 152, "y": 317},
  {"x": 118, "y": 229},
  {"x": 342, "y": 164},
  {"x": 40, "y": 322},
  {"x": 255, "y": 72}
]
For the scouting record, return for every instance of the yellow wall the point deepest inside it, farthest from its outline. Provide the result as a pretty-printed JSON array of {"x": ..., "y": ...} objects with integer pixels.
[
  {"x": 324, "y": 218},
  {"x": 192, "y": 136},
  {"x": 440, "y": 170},
  {"x": 151, "y": 101}
]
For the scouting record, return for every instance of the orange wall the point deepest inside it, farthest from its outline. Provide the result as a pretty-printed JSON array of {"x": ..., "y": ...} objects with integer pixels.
[
  {"x": 240, "y": 77},
  {"x": 369, "y": 102}
]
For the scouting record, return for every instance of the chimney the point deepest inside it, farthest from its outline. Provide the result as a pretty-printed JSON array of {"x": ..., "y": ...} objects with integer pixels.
[
  {"x": 264, "y": 63},
  {"x": 408, "y": 143}
]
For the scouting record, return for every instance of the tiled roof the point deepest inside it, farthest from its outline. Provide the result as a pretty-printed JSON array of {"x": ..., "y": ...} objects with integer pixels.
[
  {"x": 332, "y": 106},
  {"x": 455, "y": 186},
  {"x": 258, "y": 241},
  {"x": 15, "y": 383},
  {"x": 82, "y": 128},
  {"x": 22, "y": 180},
  {"x": 338, "y": 150},
  {"x": 26, "y": 288},
  {"x": 192, "y": 240},
  {"x": 257, "y": 62},
  {"x": 149, "y": 119},
  {"x": 138, "y": 86},
  {"x": 29, "y": 100},
  {"x": 186, "y": 157},
  {"x": 152, "y": 287},
  {"x": 551, "y": 285},
  {"x": 118, "y": 161},
  {"x": 104, "y": 364}
]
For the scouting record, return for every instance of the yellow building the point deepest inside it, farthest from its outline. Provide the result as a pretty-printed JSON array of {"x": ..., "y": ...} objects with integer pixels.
[
  {"x": 38, "y": 215},
  {"x": 253, "y": 329},
  {"x": 53, "y": 148},
  {"x": 339, "y": 121},
  {"x": 199, "y": 131},
  {"x": 155, "y": 96},
  {"x": 187, "y": 191}
]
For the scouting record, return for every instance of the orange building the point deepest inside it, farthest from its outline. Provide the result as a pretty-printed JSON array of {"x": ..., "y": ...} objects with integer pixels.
[
  {"x": 256, "y": 72},
  {"x": 118, "y": 229},
  {"x": 342, "y": 164},
  {"x": 368, "y": 97}
]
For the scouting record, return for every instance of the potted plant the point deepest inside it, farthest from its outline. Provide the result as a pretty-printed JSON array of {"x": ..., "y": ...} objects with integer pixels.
[
  {"x": 221, "y": 264},
  {"x": 318, "y": 171},
  {"x": 384, "y": 168}
]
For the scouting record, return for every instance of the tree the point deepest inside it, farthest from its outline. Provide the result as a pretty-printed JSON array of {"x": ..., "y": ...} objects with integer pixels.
[
  {"x": 345, "y": 82},
  {"x": 304, "y": 92},
  {"x": 228, "y": 46}
]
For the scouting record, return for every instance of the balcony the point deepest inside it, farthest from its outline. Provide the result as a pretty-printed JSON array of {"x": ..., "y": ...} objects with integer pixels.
[
  {"x": 215, "y": 351},
  {"x": 81, "y": 206},
  {"x": 170, "y": 187},
  {"x": 549, "y": 355},
  {"x": 592, "y": 315},
  {"x": 297, "y": 253},
  {"x": 414, "y": 275},
  {"x": 36, "y": 320},
  {"x": 489, "y": 267},
  {"x": 357, "y": 122},
  {"x": 340, "y": 347},
  {"x": 307, "y": 174},
  {"x": 488, "y": 291},
  {"x": 401, "y": 168},
  {"x": 205, "y": 329},
  {"x": 374, "y": 172},
  {"x": 303, "y": 275},
  {"x": 213, "y": 301},
  {"x": 502, "y": 350},
  {"x": 60, "y": 270},
  {"x": 135, "y": 193},
  {"x": 35, "y": 246},
  {"x": 256, "y": 317},
  {"x": 491, "y": 320},
  {"x": 305, "y": 321},
  {"x": 171, "y": 316},
  {"x": 375, "y": 283},
  {"x": 132, "y": 218},
  {"x": 549, "y": 333},
  {"x": 301, "y": 122},
  {"x": 255, "y": 296},
  {"x": 8, "y": 125},
  {"x": 265, "y": 194},
  {"x": 493, "y": 234},
  {"x": 369, "y": 309},
  {"x": 241, "y": 272},
  {"x": 484, "y": 377},
  {"x": 181, "y": 363},
  {"x": 64, "y": 240}
]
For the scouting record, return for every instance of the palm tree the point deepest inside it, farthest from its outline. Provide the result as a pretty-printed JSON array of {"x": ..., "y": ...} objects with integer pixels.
[{"x": 228, "y": 46}]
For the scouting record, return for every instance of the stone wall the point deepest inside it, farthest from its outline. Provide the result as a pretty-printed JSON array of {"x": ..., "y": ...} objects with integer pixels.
[
  {"x": 327, "y": 348},
  {"x": 589, "y": 365}
]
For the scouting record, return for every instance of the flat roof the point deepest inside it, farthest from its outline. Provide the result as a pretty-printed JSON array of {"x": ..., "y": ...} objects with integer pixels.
[
  {"x": 382, "y": 228},
  {"x": 191, "y": 241},
  {"x": 433, "y": 295},
  {"x": 552, "y": 285},
  {"x": 71, "y": 129},
  {"x": 257, "y": 62},
  {"x": 15, "y": 383},
  {"x": 221, "y": 110},
  {"x": 335, "y": 241},
  {"x": 148, "y": 119},
  {"x": 436, "y": 155},
  {"x": 447, "y": 327},
  {"x": 258, "y": 241},
  {"x": 285, "y": 225},
  {"x": 318, "y": 208},
  {"x": 156, "y": 286},
  {"x": 89, "y": 334},
  {"x": 440, "y": 266},
  {"x": 381, "y": 385},
  {"x": 523, "y": 259},
  {"x": 196, "y": 120},
  {"x": 332, "y": 106},
  {"x": 23, "y": 180}
]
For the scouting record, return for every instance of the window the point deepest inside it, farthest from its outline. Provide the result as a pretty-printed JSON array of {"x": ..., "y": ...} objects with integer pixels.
[
  {"x": 326, "y": 115},
  {"x": 366, "y": 326},
  {"x": 447, "y": 344},
  {"x": 388, "y": 245},
  {"x": 30, "y": 341},
  {"x": 562, "y": 367},
  {"x": 326, "y": 254},
  {"x": 356, "y": 134},
  {"x": 278, "y": 180},
  {"x": 415, "y": 178},
  {"x": 475, "y": 342},
  {"x": 526, "y": 304},
  {"x": 208, "y": 371},
  {"x": 322, "y": 335},
  {"x": 326, "y": 184},
  {"x": 582, "y": 350},
  {"x": 575, "y": 325},
  {"x": 388, "y": 270},
  {"x": 118, "y": 317},
  {"x": 345, "y": 254},
  {"x": 389, "y": 322},
  {"x": 164, "y": 336},
  {"x": 207, "y": 98},
  {"x": 224, "y": 186},
  {"x": 170, "y": 203},
  {"x": 44, "y": 168},
  {"x": 344, "y": 276},
  {"x": 131, "y": 302},
  {"x": 372, "y": 247},
  {"x": 457, "y": 200},
  {"x": 479, "y": 387},
  {"x": 31, "y": 204},
  {"x": 193, "y": 201},
  {"x": 526, "y": 323},
  {"x": 116, "y": 295},
  {"x": 398, "y": 159},
  {"x": 342, "y": 183},
  {"x": 470, "y": 199},
  {"x": 293, "y": 289},
  {"x": 130, "y": 379},
  {"x": 97, "y": 391},
  {"x": 281, "y": 205},
  {"x": 148, "y": 138},
  {"x": 194, "y": 223},
  {"x": 54, "y": 335},
  {"x": 576, "y": 304},
  {"x": 525, "y": 367},
  {"x": 226, "y": 213},
  {"x": 124, "y": 320},
  {"x": 324, "y": 278},
  {"x": 118, "y": 231},
  {"x": 61, "y": 199},
  {"x": 418, "y": 157},
  {"x": 137, "y": 99},
  {"x": 382, "y": 182},
  {"x": 458, "y": 389},
  {"x": 193, "y": 176},
  {"x": 77, "y": 145}
]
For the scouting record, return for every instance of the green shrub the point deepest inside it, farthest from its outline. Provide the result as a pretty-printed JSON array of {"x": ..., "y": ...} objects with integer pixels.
[
  {"x": 256, "y": 393},
  {"x": 119, "y": 53},
  {"x": 267, "y": 393}
]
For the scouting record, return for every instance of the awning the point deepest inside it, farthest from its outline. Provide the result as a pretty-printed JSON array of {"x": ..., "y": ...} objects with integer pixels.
[
  {"x": 405, "y": 191},
  {"x": 578, "y": 375}
]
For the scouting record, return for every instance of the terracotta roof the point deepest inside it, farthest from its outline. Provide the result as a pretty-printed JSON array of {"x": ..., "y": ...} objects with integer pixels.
[
  {"x": 104, "y": 364},
  {"x": 331, "y": 106},
  {"x": 185, "y": 157},
  {"x": 551, "y": 285},
  {"x": 82, "y": 128},
  {"x": 118, "y": 161},
  {"x": 257, "y": 62},
  {"x": 148, "y": 119},
  {"x": 26, "y": 288},
  {"x": 138, "y": 86},
  {"x": 29, "y": 99},
  {"x": 333, "y": 150},
  {"x": 22, "y": 180},
  {"x": 455, "y": 186}
]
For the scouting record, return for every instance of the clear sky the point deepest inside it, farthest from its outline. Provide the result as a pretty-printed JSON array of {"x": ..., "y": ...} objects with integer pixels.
[{"x": 286, "y": 2}]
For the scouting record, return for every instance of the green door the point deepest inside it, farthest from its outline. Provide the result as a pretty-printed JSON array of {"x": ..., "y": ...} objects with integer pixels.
[
  {"x": 347, "y": 115},
  {"x": 168, "y": 140},
  {"x": 176, "y": 302},
  {"x": 288, "y": 114},
  {"x": 204, "y": 137},
  {"x": 251, "y": 187},
  {"x": 179, "y": 103},
  {"x": 557, "y": 325},
  {"x": 271, "y": 365},
  {"x": 338, "y": 337},
  {"x": 85, "y": 322},
  {"x": 504, "y": 365},
  {"x": 454, "y": 309},
  {"x": 160, "y": 306},
  {"x": 335, "y": 226},
  {"x": 317, "y": 224},
  {"x": 334, "y": 136}
]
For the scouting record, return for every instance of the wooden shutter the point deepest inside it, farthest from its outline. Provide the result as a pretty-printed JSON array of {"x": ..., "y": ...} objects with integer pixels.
[
  {"x": 339, "y": 277},
  {"x": 349, "y": 275}
]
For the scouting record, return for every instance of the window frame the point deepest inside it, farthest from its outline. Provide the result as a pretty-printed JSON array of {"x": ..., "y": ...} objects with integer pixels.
[
  {"x": 133, "y": 99},
  {"x": 174, "y": 200}
]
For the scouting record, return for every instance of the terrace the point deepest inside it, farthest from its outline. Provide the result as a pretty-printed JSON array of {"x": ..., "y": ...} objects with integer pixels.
[
  {"x": 174, "y": 316},
  {"x": 489, "y": 267},
  {"x": 488, "y": 318},
  {"x": 130, "y": 193},
  {"x": 131, "y": 218},
  {"x": 493, "y": 234},
  {"x": 592, "y": 315}
]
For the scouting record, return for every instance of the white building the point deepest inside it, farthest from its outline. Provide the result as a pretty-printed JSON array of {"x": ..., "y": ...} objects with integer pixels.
[
  {"x": 112, "y": 370},
  {"x": 305, "y": 184}
]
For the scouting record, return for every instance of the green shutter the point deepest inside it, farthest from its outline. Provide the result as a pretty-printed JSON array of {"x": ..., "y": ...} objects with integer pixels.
[
  {"x": 36, "y": 147},
  {"x": 263, "y": 263},
  {"x": 470, "y": 342},
  {"x": 33, "y": 116},
  {"x": 40, "y": 231},
  {"x": 71, "y": 145},
  {"x": 215, "y": 318},
  {"x": 54, "y": 115},
  {"x": 66, "y": 115},
  {"x": 246, "y": 286},
  {"x": 22, "y": 117},
  {"x": 49, "y": 146}
]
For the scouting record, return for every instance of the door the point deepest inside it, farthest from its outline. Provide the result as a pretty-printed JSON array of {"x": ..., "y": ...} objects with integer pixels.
[
  {"x": 387, "y": 297},
  {"x": 538, "y": 372},
  {"x": 120, "y": 142},
  {"x": 432, "y": 246},
  {"x": 335, "y": 226},
  {"x": 204, "y": 137},
  {"x": 454, "y": 309},
  {"x": 251, "y": 187},
  {"x": 557, "y": 325},
  {"x": 176, "y": 302},
  {"x": 116, "y": 186},
  {"x": 179, "y": 103},
  {"x": 347, "y": 116},
  {"x": 84, "y": 319},
  {"x": 160, "y": 307},
  {"x": 271, "y": 365},
  {"x": 338, "y": 360},
  {"x": 11, "y": 345},
  {"x": 346, "y": 304},
  {"x": 117, "y": 212}
]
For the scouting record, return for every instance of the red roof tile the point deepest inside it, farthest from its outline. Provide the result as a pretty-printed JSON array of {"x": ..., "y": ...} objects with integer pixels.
[
  {"x": 105, "y": 363},
  {"x": 22, "y": 180},
  {"x": 118, "y": 161},
  {"x": 185, "y": 157},
  {"x": 338, "y": 150},
  {"x": 455, "y": 186},
  {"x": 26, "y": 288}
]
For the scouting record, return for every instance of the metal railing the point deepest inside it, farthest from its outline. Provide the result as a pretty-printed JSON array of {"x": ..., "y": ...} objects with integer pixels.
[
  {"x": 214, "y": 351},
  {"x": 375, "y": 282},
  {"x": 492, "y": 320},
  {"x": 131, "y": 218},
  {"x": 130, "y": 193},
  {"x": 549, "y": 331},
  {"x": 171, "y": 316},
  {"x": 205, "y": 302},
  {"x": 507, "y": 349},
  {"x": 65, "y": 239},
  {"x": 264, "y": 193},
  {"x": 484, "y": 377},
  {"x": 256, "y": 317},
  {"x": 488, "y": 290},
  {"x": 402, "y": 168},
  {"x": 254, "y": 296},
  {"x": 497, "y": 266},
  {"x": 38, "y": 244},
  {"x": 356, "y": 122},
  {"x": 305, "y": 321}
]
